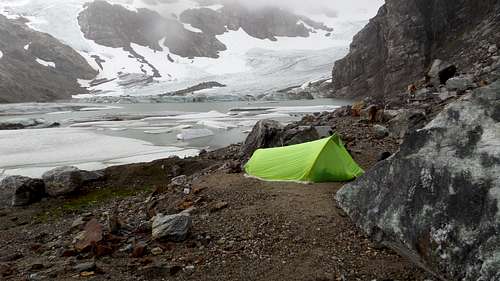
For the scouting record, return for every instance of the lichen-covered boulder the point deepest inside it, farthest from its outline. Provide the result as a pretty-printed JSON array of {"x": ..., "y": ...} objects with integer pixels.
[
  {"x": 171, "y": 227},
  {"x": 437, "y": 201}
]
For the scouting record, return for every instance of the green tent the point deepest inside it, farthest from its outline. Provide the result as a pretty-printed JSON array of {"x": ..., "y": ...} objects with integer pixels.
[{"x": 323, "y": 160}]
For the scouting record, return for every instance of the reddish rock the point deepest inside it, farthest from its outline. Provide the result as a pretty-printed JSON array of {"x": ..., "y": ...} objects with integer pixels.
[
  {"x": 218, "y": 206},
  {"x": 91, "y": 236},
  {"x": 139, "y": 250},
  {"x": 103, "y": 249}
]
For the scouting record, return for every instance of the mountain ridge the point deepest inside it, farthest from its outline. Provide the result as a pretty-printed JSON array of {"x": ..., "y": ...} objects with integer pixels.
[{"x": 398, "y": 46}]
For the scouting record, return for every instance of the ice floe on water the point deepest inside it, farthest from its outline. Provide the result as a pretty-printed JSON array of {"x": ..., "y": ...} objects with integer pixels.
[
  {"x": 216, "y": 124},
  {"x": 96, "y": 138},
  {"x": 189, "y": 134},
  {"x": 26, "y": 151}
]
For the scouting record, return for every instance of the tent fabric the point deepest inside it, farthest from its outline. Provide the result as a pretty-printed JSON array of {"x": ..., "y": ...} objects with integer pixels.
[{"x": 324, "y": 160}]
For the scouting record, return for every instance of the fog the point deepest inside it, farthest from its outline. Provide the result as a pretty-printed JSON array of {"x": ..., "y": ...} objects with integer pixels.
[{"x": 331, "y": 7}]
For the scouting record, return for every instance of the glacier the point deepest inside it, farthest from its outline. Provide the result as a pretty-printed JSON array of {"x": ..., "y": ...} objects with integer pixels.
[{"x": 249, "y": 67}]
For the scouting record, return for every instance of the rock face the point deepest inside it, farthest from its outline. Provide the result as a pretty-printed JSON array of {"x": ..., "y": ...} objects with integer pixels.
[
  {"x": 20, "y": 191},
  {"x": 23, "y": 78},
  {"x": 399, "y": 45},
  {"x": 115, "y": 26},
  {"x": 437, "y": 200},
  {"x": 263, "y": 22}
]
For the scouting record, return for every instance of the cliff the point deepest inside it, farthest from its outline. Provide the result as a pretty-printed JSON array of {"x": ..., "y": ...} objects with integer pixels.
[
  {"x": 35, "y": 66},
  {"x": 398, "y": 45}
]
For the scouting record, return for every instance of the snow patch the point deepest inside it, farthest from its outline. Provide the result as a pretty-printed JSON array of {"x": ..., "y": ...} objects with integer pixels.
[
  {"x": 216, "y": 124},
  {"x": 192, "y": 28},
  {"x": 46, "y": 63}
]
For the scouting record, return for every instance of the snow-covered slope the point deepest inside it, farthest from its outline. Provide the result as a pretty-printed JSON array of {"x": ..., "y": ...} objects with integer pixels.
[{"x": 251, "y": 68}]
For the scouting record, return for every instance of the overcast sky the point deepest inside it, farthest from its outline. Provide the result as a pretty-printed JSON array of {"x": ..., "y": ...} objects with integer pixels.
[{"x": 342, "y": 7}]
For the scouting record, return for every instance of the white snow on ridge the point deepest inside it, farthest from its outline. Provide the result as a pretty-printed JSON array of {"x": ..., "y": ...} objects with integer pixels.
[
  {"x": 1, "y": 54},
  {"x": 27, "y": 46},
  {"x": 46, "y": 63},
  {"x": 192, "y": 28},
  {"x": 244, "y": 54}
]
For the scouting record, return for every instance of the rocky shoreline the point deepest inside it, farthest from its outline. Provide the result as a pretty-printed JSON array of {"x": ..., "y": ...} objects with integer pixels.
[{"x": 138, "y": 215}]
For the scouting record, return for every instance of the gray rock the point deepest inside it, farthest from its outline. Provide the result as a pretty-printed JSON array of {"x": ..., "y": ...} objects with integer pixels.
[
  {"x": 493, "y": 49},
  {"x": 380, "y": 131},
  {"x": 66, "y": 180},
  {"x": 302, "y": 134},
  {"x": 86, "y": 266},
  {"x": 180, "y": 181},
  {"x": 446, "y": 95},
  {"x": 405, "y": 121},
  {"x": 21, "y": 191},
  {"x": 324, "y": 131},
  {"x": 441, "y": 72},
  {"x": 389, "y": 114},
  {"x": 173, "y": 227},
  {"x": 461, "y": 83},
  {"x": 437, "y": 200},
  {"x": 270, "y": 133},
  {"x": 264, "y": 134}
]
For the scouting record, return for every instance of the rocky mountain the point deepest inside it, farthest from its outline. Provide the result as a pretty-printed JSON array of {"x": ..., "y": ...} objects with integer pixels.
[
  {"x": 263, "y": 22},
  {"x": 117, "y": 27},
  {"x": 35, "y": 66},
  {"x": 150, "y": 47},
  {"x": 399, "y": 45}
]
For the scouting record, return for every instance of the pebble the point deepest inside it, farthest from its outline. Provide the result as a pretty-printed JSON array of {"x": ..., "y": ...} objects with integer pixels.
[
  {"x": 157, "y": 251},
  {"x": 87, "y": 266}
]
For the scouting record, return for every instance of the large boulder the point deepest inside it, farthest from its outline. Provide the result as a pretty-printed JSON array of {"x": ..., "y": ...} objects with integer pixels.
[
  {"x": 406, "y": 121},
  {"x": 437, "y": 201},
  {"x": 264, "y": 134},
  {"x": 270, "y": 133},
  {"x": 20, "y": 191},
  {"x": 171, "y": 227},
  {"x": 441, "y": 72},
  {"x": 66, "y": 180}
]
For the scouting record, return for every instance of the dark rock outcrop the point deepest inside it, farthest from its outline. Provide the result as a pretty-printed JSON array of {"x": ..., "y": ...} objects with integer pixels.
[
  {"x": 63, "y": 181},
  {"x": 266, "y": 22},
  {"x": 20, "y": 191},
  {"x": 399, "y": 45},
  {"x": 23, "y": 123},
  {"x": 437, "y": 200},
  {"x": 23, "y": 79},
  {"x": 270, "y": 133},
  {"x": 117, "y": 27}
]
